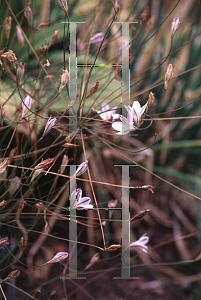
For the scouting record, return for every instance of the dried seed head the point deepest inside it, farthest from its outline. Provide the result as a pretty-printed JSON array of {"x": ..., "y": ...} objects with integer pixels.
[
  {"x": 64, "y": 6},
  {"x": 151, "y": 99},
  {"x": 69, "y": 145},
  {"x": 93, "y": 110},
  {"x": 7, "y": 26},
  {"x": 22, "y": 245},
  {"x": 95, "y": 258},
  {"x": 3, "y": 242},
  {"x": 26, "y": 105},
  {"x": 20, "y": 71},
  {"x": 50, "y": 123},
  {"x": 45, "y": 163},
  {"x": 3, "y": 165},
  {"x": 20, "y": 36},
  {"x": 54, "y": 38},
  {"x": 93, "y": 90},
  {"x": 148, "y": 188},
  {"x": 42, "y": 51},
  {"x": 20, "y": 209},
  {"x": 60, "y": 256},
  {"x": 28, "y": 15},
  {"x": 113, "y": 248},
  {"x": 144, "y": 16},
  {"x": 10, "y": 55},
  {"x": 2, "y": 115},
  {"x": 64, "y": 79},
  {"x": 168, "y": 75},
  {"x": 174, "y": 26},
  {"x": 12, "y": 275},
  {"x": 140, "y": 214},
  {"x": 97, "y": 39},
  {"x": 14, "y": 185}
]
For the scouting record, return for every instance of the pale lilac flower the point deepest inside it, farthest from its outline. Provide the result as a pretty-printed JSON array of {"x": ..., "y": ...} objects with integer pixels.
[
  {"x": 58, "y": 257},
  {"x": 97, "y": 38},
  {"x": 112, "y": 204},
  {"x": 174, "y": 26},
  {"x": 81, "y": 169},
  {"x": 14, "y": 185},
  {"x": 78, "y": 201},
  {"x": 125, "y": 126},
  {"x": 26, "y": 105},
  {"x": 137, "y": 111},
  {"x": 50, "y": 123},
  {"x": 141, "y": 243},
  {"x": 106, "y": 114}
]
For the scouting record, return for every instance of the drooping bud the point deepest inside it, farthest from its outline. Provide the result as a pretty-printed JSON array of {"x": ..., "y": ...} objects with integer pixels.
[
  {"x": 97, "y": 39},
  {"x": 10, "y": 55},
  {"x": 26, "y": 105},
  {"x": 174, "y": 26},
  {"x": 41, "y": 26},
  {"x": 3, "y": 165},
  {"x": 140, "y": 214},
  {"x": 20, "y": 71},
  {"x": 28, "y": 15},
  {"x": 54, "y": 38},
  {"x": 20, "y": 36},
  {"x": 14, "y": 185},
  {"x": 47, "y": 64},
  {"x": 144, "y": 16},
  {"x": 81, "y": 169},
  {"x": 93, "y": 90},
  {"x": 7, "y": 26},
  {"x": 64, "y": 79},
  {"x": 64, "y": 6},
  {"x": 60, "y": 256},
  {"x": 42, "y": 51},
  {"x": 50, "y": 123},
  {"x": 151, "y": 99},
  {"x": 113, "y": 247},
  {"x": 168, "y": 75}
]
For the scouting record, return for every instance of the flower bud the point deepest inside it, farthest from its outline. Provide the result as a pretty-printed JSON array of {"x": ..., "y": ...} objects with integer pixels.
[
  {"x": 3, "y": 241},
  {"x": 28, "y": 15},
  {"x": 2, "y": 204},
  {"x": 60, "y": 256},
  {"x": 144, "y": 16},
  {"x": 2, "y": 114},
  {"x": 3, "y": 165},
  {"x": 168, "y": 75},
  {"x": 65, "y": 161},
  {"x": 42, "y": 52},
  {"x": 20, "y": 71},
  {"x": 93, "y": 89},
  {"x": 14, "y": 185},
  {"x": 13, "y": 274},
  {"x": 20, "y": 36},
  {"x": 97, "y": 39},
  {"x": 7, "y": 26},
  {"x": 81, "y": 169},
  {"x": 174, "y": 26},
  {"x": 64, "y": 79},
  {"x": 47, "y": 64},
  {"x": 50, "y": 123},
  {"x": 54, "y": 38},
  {"x": 44, "y": 164},
  {"x": 151, "y": 99},
  {"x": 26, "y": 105}
]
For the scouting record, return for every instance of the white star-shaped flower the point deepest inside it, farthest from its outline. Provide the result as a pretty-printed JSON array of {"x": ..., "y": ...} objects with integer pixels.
[
  {"x": 78, "y": 201},
  {"x": 141, "y": 243},
  {"x": 106, "y": 114}
]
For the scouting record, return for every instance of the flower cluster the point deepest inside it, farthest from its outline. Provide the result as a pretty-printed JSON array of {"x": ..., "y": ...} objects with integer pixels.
[{"x": 133, "y": 119}]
